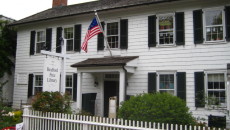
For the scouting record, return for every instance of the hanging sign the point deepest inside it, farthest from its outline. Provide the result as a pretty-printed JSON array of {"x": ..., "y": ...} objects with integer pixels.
[{"x": 51, "y": 74}]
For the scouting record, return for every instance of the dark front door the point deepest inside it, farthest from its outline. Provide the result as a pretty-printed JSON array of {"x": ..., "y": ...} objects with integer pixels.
[{"x": 111, "y": 89}]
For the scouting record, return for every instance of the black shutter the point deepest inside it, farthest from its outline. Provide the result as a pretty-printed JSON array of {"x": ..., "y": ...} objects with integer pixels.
[
  {"x": 77, "y": 38},
  {"x": 100, "y": 39},
  {"x": 181, "y": 85},
  {"x": 48, "y": 39},
  {"x": 75, "y": 87},
  {"x": 124, "y": 34},
  {"x": 199, "y": 89},
  {"x": 180, "y": 28},
  {"x": 32, "y": 42},
  {"x": 152, "y": 31},
  {"x": 227, "y": 22},
  {"x": 58, "y": 40},
  {"x": 88, "y": 102},
  {"x": 198, "y": 26},
  {"x": 30, "y": 85},
  {"x": 152, "y": 82}
]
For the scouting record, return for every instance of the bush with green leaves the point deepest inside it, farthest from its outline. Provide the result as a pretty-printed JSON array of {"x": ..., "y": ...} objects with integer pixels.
[
  {"x": 159, "y": 107},
  {"x": 51, "y": 102}
]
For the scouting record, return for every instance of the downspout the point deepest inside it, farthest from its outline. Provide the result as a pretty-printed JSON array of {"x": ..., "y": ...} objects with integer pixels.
[{"x": 126, "y": 81}]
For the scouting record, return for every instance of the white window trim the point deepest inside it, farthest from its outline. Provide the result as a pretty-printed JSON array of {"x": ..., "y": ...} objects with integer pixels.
[
  {"x": 36, "y": 36},
  {"x": 167, "y": 72},
  {"x": 34, "y": 80},
  {"x": 204, "y": 25},
  {"x": 226, "y": 87},
  {"x": 119, "y": 36},
  {"x": 63, "y": 34},
  {"x": 158, "y": 31}
]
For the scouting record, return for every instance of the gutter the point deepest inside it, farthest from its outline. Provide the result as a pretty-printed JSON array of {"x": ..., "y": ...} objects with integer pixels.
[{"x": 100, "y": 10}]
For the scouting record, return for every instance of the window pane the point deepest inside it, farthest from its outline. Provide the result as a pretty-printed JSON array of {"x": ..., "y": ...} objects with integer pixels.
[
  {"x": 113, "y": 41},
  {"x": 167, "y": 81},
  {"x": 68, "y": 91},
  {"x": 213, "y": 17},
  {"x": 38, "y": 80},
  {"x": 37, "y": 90},
  {"x": 40, "y": 46},
  {"x": 69, "y": 45},
  {"x": 166, "y": 29},
  {"x": 68, "y": 33},
  {"x": 112, "y": 28},
  {"x": 41, "y": 36},
  {"x": 216, "y": 89},
  {"x": 69, "y": 81},
  {"x": 166, "y": 22}
]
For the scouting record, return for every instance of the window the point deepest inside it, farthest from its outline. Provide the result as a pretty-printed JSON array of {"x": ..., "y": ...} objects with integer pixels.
[
  {"x": 167, "y": 83},
  {"x": 216, "y": 89},
  {"x": 38, "y": 83},
  {"x": 69, "y": 85},
  {"x": 214, "y": 25},
  {"x": 113, "y": 34},
  {"x": 40, "y": 42},
  {"x": 166, "y": 29},
  {"x": 68, "y": 35}
]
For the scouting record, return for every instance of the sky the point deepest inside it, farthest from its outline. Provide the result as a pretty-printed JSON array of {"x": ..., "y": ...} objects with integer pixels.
[{"x": 18, "y": 9}]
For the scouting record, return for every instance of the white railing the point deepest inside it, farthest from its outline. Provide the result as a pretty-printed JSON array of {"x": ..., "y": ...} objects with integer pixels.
[{"x": 34, "y": 120}]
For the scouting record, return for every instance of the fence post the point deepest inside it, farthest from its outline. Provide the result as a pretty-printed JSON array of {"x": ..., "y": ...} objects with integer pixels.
[{"x": 26, "y": 119}]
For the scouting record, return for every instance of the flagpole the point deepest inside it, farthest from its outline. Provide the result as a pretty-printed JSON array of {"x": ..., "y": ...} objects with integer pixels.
[{"x": 99, "y": 22}]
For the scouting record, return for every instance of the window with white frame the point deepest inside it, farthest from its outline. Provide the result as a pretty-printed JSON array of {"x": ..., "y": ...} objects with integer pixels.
[
  {"x": 216, "y": 89},
  {"x": 214, "y": 25},
  {"x": 68, "y": 35},
  {"x": 40, "y": 42},
  {"x": 167, "y": 83},
  {"x": 69, "y": 85},
  {"x": 113, "y": 34},
  {"x": 38, "y": 83},
  {"x": 166, "y": 29}
]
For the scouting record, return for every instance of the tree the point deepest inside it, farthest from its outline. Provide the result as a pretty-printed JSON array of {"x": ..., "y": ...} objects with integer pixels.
[
  {"x": 159, "y": 107},
  {"x": 8, "y": 36}
]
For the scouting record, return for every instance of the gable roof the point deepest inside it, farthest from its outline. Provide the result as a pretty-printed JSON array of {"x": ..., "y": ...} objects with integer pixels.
[
  {"x": 105, "y": 61},
  {"x": 84, "y": 8}
]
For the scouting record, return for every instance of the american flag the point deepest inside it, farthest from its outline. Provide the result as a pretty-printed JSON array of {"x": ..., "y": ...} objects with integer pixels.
[{"x": 93, "y": 30}]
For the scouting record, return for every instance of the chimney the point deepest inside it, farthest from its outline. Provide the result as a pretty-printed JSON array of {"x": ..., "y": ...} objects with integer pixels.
[{"x": 57, "y": 3}]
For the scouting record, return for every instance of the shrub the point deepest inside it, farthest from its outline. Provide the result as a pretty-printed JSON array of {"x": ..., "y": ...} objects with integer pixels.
[
  {"x": 9, "y": 117},
  {"x": 51, "y": 102},
  {"x": 159, "y": 107}
]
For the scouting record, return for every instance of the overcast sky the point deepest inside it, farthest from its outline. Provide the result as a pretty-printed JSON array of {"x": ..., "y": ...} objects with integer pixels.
[{"x": 18, "y": 9}]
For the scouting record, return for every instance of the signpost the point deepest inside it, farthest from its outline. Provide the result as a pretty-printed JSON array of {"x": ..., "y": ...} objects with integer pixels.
[{"x": 63, "y": 56}]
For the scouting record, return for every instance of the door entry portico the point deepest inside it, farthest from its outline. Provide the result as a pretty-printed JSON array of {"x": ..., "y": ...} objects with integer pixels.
[{"x": 119, "y": 65}]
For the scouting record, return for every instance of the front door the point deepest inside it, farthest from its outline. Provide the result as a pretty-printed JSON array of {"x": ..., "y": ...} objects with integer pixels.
[{"x": 111, "y": 89}]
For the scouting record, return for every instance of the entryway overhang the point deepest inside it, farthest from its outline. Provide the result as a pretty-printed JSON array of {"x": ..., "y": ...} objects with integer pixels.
[{"x": 121, "y": 65}]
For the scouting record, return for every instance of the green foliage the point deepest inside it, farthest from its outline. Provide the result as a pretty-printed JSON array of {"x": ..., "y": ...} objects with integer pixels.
[
  {"x": 8, "y": 36},
  {"x": 159, "y": 107},
  {"x": 9, "y": 117},
  {"x": 51, "y": 102}
]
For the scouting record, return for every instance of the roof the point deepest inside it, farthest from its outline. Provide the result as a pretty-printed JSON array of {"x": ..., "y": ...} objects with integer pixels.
[
  {"x": 85, "y": 8},
  {"x": 105, "y": 61}
]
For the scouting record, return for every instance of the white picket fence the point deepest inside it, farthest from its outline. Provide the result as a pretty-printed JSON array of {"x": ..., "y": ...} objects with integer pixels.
[{"x": 35, "y": 120}]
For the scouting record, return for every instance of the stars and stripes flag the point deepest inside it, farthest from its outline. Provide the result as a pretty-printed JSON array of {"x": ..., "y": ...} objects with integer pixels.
[{"x": 94, "y": 29}]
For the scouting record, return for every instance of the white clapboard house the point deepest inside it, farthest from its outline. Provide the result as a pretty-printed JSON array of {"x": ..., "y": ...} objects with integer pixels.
[{"x": 177, "y": 46}]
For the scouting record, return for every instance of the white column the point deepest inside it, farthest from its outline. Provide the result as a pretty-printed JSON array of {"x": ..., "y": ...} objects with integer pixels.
[
  {"x": 122, "y": 87},
  {"x": 63, "y": 74},
  {"x": 79, "y": 91}
]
